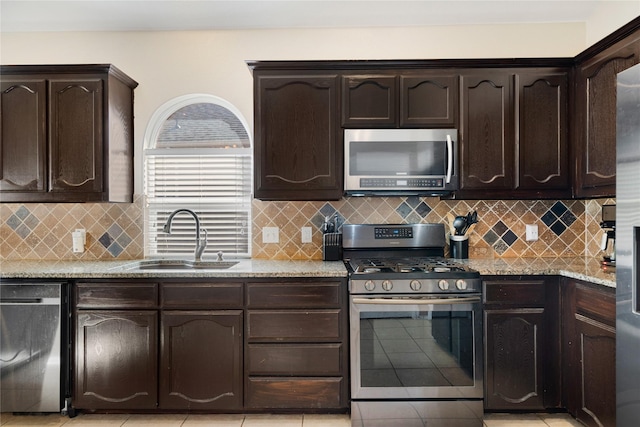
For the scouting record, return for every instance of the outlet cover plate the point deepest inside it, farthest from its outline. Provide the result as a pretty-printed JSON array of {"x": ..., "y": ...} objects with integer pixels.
[
  {"x": 305, "y": 234},
  {"x": 270, "y": 235},
  {"x": 531, "y": 232}
]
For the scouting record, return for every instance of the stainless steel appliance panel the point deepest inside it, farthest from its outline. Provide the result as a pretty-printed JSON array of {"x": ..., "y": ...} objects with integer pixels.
[
  {"x": 408, "y": 347},
  {"x": 400, "y": 161},
  {"x": 30, "y": 347},
  {"x": 628, "y": 248}
]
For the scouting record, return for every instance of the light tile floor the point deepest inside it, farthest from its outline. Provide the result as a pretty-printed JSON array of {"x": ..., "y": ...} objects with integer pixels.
[{"x": 263, "y": 420}]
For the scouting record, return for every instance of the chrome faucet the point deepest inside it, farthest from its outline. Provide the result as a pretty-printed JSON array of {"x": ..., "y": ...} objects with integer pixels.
[{"x": 200, "y": 244}]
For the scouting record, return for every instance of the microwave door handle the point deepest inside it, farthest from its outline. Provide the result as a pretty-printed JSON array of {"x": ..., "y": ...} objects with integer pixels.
[
  {"x": 449, "y": 158},
  {"x": 416, "y": 301}
]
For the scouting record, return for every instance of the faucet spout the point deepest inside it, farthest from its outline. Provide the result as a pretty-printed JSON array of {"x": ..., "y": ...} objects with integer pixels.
[{"x": 200, "y": 244}]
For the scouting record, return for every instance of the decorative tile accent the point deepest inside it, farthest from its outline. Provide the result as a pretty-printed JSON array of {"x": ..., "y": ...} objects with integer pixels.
[{"x": 42, "y": 231}]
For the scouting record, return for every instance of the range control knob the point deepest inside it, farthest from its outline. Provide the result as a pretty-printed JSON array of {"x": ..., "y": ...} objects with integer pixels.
[
  {"x": 443, "y": 284},
  {"x": 415, "y": 285},
  {"x": 387, "y": 285},
  {"x": 461, "y": 284},
  {"x": 369, "y": 285}
]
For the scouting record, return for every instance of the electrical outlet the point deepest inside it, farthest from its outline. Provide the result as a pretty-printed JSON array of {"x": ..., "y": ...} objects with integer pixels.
[
  {"x": 531, "y": 232},
  {"x": 270, "y": 235},
  {"x": 305, "y": 234}
]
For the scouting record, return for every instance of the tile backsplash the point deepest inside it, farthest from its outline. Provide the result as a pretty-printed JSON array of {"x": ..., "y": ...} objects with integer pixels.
[
  {"x": 43, "y": 230},
  {"x": 115, "y": 230},
  {"x": 565, "y": 227}
]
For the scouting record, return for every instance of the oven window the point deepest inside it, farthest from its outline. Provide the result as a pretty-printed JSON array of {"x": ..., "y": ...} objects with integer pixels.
[{"x": 416, "y": 349}]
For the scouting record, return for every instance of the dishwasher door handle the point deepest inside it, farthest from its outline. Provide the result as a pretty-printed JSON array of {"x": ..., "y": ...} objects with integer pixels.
[{"x": 14, "y": 301}]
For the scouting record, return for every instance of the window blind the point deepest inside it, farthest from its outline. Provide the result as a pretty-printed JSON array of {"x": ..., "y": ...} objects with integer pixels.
[{"x": 217, "y": 187}]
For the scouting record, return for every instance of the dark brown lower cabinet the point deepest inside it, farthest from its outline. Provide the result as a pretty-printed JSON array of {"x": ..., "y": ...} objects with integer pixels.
[
  {"x": 116, "y": 359},
  {"x": 175, "y": 345},
  {"x": 589, "y": 347},
  {"x": 201, "y": 360},
  {"x": 522, "y": 343},
  {"x": 296, "y": 353}
]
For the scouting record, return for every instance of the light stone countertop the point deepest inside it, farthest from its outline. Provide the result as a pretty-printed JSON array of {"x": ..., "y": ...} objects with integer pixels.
[
  {"x": 127, "y": 269},
  {"x": 587, "y": 269}
]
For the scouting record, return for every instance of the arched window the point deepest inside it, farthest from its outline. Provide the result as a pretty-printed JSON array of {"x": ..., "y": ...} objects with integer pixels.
[{"x": 198, "y": 156}]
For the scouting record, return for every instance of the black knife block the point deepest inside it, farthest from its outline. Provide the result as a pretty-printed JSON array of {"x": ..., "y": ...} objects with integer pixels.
[{"x": 332, "y": 247}]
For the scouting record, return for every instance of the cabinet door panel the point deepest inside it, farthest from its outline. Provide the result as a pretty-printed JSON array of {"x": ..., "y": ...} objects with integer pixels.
[
  {"x": 202, "y": 295},
  {"x": 514, "y": 359},
  {"x": 428, "y": 100},
  {"x": 294, "y": 325},
  {"x": 297, "y": 152},
  {"x": 294, "y": 393},
  {"x": 487, "y": 148},
  {"x": 369, "y": 101},
  {"x": 294, "y": 295},
  {"x": 116, "y": 360},
  {"x": 597, "y": 346},
  {"x": 76, "y": 135},
  {"x": 595, "y": 117},
  {"x": 201, "y": 360},
  {"x": 543, "y": 131},
  {"x": 116, "y": 295},
  {"x": 23, "y": 135},
  {"x": 295, "y": 359}
]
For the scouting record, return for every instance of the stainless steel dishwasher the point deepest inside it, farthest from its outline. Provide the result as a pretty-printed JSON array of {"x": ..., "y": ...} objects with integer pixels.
[{"x": 32, "y": 356}]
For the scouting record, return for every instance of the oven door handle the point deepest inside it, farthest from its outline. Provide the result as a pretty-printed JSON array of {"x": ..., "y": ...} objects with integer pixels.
[{"x": 418, "y": 301}]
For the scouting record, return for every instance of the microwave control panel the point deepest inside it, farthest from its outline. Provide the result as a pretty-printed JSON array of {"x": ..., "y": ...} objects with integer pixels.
[{"x": 401, "y": 182}]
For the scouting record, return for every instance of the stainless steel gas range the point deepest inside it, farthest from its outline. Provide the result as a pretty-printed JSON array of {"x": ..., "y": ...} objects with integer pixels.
[{"x": 416, "y": 329}]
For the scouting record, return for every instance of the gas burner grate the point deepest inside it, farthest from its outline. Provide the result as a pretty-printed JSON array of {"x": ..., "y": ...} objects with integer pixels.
[{"x": 406, "y": 265}]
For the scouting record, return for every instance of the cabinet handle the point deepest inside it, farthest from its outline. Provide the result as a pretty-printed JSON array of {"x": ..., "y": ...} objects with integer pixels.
[{"x": 449, "y": 158}]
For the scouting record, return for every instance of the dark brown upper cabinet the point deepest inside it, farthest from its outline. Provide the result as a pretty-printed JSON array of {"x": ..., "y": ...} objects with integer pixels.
[
  {"x": 594, "y": 139},
  {"x": 542, "y": 134},
  {"x": 514, "y": 133},
  {"x": 425, "y": 99},
  {"x": 66, "y": 134},
  {"x": 486, "y": 133},
  {"x": 369, "y": 101},
  {"x": 298, "y": 145}
]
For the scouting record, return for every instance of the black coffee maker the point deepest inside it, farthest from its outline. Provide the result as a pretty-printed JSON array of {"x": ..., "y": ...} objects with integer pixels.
[{"x": 608, "y": 243}]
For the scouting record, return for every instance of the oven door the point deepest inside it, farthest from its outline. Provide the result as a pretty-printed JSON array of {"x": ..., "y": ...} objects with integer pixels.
[{"x": 416, "y": 348}]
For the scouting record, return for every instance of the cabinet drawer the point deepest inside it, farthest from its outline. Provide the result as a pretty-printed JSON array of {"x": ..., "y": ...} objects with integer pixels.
[
  {"x": 522, "y": 292},
  {"x": 596, "y": 304},
  {"x": 294, "y": 359},
  {"x": 116, "y": 295},
  {"x": 294, "y": 325},
  {"x": 293, "y": 295},
  {"x": 293, "y": 393},
  {"x": 201, "y": 295}
]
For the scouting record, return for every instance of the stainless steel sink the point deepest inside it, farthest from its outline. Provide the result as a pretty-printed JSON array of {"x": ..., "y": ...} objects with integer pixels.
[{"x": 179, "y": 264}]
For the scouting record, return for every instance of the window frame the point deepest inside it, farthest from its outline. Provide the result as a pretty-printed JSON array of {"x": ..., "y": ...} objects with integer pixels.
[{"x": 153, "y": 131}]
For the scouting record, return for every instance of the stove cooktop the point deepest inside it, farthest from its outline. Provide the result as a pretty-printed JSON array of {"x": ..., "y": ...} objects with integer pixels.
[{"x": 423, "y": 265}]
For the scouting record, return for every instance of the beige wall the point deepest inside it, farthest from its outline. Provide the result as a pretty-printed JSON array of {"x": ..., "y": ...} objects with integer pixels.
[
  {"x": 609, "y": 16},
  {"x": 170, "y": 64}
]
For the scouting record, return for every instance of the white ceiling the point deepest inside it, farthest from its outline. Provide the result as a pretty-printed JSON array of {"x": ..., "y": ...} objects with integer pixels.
[{"x": 153, "y": 15}]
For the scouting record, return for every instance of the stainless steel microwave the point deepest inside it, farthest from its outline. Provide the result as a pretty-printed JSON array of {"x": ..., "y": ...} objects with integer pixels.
[{"x": 389, "y": 162}]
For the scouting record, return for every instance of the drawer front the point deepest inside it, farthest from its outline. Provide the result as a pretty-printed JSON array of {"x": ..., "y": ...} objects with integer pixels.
[
  {"x": 116, "y": 295},
  {"x": 294, "y": 359},
  {"x": 294, "y": 393},
  {"x": 201, "y": 295},
  {"x": 294, "y": 325},
  {"x": 596, "y": 304},
  {"x": 294, "y": 295},
  {"x": 525, "y": 292}
]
